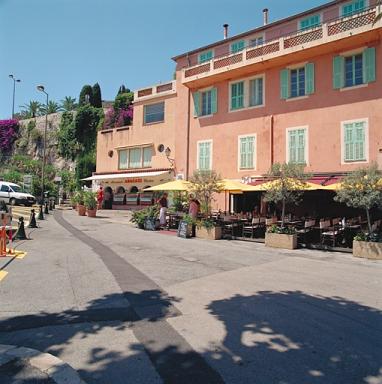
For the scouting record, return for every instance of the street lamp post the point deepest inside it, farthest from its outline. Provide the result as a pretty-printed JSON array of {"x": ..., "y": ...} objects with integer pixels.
[
  {"x": 42, "y": 89},
  {"x": 14, "y": 91}
]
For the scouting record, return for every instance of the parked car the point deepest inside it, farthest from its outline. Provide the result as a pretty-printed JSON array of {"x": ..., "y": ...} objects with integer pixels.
[{"x": 12, "y": 194}]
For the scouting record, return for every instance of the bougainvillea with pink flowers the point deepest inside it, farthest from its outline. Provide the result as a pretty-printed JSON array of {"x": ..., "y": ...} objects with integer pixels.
[
  {"x": 118, "y": 118},
  {"x": 9, "y": 130}
]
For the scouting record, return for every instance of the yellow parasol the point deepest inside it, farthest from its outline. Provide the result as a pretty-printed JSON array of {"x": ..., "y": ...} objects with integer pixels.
[
  {"x": 235, "y": 187},
  {"x": 176, "y": 185}
]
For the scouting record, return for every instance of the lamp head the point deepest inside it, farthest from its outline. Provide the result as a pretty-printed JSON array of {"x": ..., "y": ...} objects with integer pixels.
[
  {"x": 18, "y": 81},
  {"x": 41, "y": 88},
  {"x": 167, "y": 151},
  {"x": 11, "y": 76}
]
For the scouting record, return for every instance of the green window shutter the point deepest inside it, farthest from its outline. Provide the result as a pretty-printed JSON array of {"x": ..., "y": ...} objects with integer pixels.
[
  {"x": 196, "y": 97},
  {"x": 237, "y": 46},
  {"x": 237, "y": 95},
  {"x": 301, "y": 146},
  {"x": 309, "y": 78},
  {"x": 349, "y": 142},
  {"x": 368, "y": 57},
  {"x": 292, "y": 146},
  {"x": 338, "y": 72},
  {"x": 214, "y": 100},
  {"x": 284, "y": 84},
  {"x": 207, "y": 155},
  {"x": 201, "y": 155},
  {"x": 205, "y": 56}
]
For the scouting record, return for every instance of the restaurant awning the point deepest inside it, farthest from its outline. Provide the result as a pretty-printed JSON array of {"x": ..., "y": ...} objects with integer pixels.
[{"x": 124, "y": 175}]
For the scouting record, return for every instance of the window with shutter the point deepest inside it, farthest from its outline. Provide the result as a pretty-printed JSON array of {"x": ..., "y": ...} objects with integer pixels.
[
  {"x": 353, "y": 7},
  {"x": 204, "y": 155},
  {"x": 297, "y": 145},
  {"x": 237, "y": 95},
  {"x": 237, "y": 46},
  {"x": 205, "y": 56},
  {"x": 256, "y": 92},
  {"x": 310, "y": 22},
  {"x": 247, "y": 149},
  {"x": 354, "y": 142}
]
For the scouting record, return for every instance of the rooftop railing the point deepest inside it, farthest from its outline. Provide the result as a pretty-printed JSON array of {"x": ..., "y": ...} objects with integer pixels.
[{"x": 330, "y": 28}]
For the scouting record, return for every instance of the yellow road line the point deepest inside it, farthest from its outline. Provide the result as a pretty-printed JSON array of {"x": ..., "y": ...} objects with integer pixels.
[{"x": 3, "y": 274}]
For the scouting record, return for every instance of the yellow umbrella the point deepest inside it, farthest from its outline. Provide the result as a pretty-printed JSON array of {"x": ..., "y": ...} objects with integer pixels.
[
  {"x": 234, "y": 186},
  {"x": 176, "y": 185},
  {"x": 303, "y": 186}
]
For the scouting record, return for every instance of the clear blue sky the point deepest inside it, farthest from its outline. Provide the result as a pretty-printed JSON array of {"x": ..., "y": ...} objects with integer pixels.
[{"x": 64, "y": 44}]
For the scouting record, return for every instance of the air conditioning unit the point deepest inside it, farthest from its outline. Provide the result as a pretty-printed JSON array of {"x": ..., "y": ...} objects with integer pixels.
[{"x": 180, "y": 176}]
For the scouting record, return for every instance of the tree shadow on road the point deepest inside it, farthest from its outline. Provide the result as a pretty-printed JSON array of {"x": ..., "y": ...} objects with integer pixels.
[
  {"x": 270, "y": 338},
  {"x": 291, "y": 337}
]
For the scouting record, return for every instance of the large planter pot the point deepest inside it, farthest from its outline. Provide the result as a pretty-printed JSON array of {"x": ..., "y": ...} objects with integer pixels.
[
  {"x": 278, "y": 240},
  {"x": 214, "y": 233},
  {"x": 81, "y": 209},
  {"x": 367, "y": 250},
  {"x": 151, "y": 224},
  {"x": 91, "y": 212}
]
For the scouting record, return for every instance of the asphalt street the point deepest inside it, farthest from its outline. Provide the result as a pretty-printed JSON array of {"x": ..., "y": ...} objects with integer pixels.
[{"x": 121, "y": 305}]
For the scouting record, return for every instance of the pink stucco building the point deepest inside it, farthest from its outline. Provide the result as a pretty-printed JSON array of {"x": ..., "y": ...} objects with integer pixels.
[{"x": 305, "y": 89}]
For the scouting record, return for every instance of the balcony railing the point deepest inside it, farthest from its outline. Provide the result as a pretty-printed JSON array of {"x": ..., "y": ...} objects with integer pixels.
[
  {"x": 283, "y": 45},
  {"x": 155, "y": 91}
]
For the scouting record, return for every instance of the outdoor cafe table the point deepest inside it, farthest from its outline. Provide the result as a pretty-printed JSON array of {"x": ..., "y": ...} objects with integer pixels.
[{"x": 174, "y": 218}]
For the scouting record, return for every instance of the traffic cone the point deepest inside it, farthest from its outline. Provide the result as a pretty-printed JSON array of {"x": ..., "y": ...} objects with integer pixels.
[
  {"x": 32, "y": 220},
  {"x": 40, "y": 214},
  {"x": 20, "y": 234},
  {"x": 46, "y": 211}
]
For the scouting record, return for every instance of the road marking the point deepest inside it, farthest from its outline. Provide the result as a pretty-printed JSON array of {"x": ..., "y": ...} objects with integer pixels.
[{"x": 3, "y": 274}]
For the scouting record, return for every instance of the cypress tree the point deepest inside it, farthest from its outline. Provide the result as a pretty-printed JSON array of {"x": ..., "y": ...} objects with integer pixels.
[
  {"x": 97, "y": 98},
  {"x": 86, "y": 90}
]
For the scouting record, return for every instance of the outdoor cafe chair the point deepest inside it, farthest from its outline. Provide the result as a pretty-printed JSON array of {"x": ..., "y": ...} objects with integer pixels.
[
  {"x": 251, "y": 228},
  {"x": 302, "y": 233},
  {"x": 330, "y": 231}
]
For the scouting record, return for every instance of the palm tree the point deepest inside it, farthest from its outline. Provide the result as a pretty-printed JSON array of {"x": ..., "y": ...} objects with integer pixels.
[
  {"x": 53, "y": 107},
  {"x": 68, "y": 103},
  {"x": 32, "y": 109}
]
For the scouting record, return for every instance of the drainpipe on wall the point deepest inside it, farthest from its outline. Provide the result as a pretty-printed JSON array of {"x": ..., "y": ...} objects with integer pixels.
[
  {"x": 271, "y": 140},
  {"x": 188, "y": 134}
]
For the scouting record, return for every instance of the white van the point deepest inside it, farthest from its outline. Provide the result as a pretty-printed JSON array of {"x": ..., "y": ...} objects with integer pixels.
[{"x": 12, "y": 194}]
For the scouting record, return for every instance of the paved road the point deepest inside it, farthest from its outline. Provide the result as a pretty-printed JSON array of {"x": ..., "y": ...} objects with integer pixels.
[{"x": 126, "y": 306}]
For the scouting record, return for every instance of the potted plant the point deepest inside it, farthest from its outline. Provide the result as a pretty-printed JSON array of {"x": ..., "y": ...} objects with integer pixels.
[
  {"x": 287, "y": 188},
  {"x": 74, "y": 201},
  {"x": 185, "y": 227},
  {"x": 151, "y": 222},
  {"x": 362, "y": 189},
  {"x": 281, "y": 237},
  {"x": 207, "y": 229},
  {"x": 139, "y": 217},
  {"x": 367, "y": 246},
  {"x": 90, "y": 202},
  {"x": 81, "y": 209}
]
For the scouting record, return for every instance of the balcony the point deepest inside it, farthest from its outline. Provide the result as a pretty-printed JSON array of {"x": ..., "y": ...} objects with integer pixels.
[
  {"x": 158, "y": 90},
  {"x": 301, "y": 43}
]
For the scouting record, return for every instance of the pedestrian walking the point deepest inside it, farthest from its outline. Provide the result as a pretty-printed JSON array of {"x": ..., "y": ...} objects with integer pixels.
[
  {"x": 163, "y": 204},
  {"x": 100, "y": 196}
]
